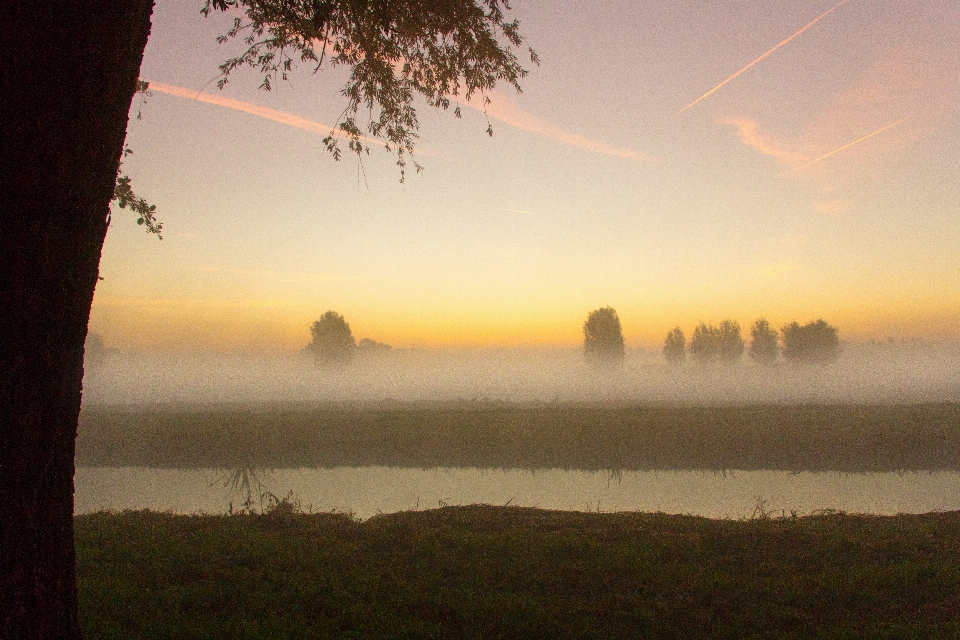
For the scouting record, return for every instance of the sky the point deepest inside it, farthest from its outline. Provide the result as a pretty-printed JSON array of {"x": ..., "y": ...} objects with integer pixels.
[{"x": 681, "y": 162}]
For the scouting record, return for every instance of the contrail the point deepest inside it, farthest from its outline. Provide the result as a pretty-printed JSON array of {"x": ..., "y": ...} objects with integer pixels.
[
  {"x": 847, "y": 146},
  {"x": 253, "y": 109},
  {"x": 815, "y": 21}
]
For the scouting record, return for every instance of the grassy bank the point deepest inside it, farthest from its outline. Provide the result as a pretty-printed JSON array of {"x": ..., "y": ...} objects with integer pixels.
[
  {"x": 503, "y": 572},
  {"x": 592, "y": 437}
]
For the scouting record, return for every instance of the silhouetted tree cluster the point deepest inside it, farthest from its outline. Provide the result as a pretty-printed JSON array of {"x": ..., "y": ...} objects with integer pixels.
[
  {"x": 815, "y": 342},
  {"x": 603, "y": 338},
  {"x": 763, "y": 344},
  {"x": 675, "y": 346},
  {"x": 333, "y": 344},
  {"x": 716, "y": 344}
]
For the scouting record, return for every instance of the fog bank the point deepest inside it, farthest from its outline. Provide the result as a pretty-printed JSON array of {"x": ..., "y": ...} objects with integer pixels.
[{"x": 866, "y": 373}]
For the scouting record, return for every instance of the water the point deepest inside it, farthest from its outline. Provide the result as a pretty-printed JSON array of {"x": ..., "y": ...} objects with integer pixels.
[{"x": 366, "y": 491}]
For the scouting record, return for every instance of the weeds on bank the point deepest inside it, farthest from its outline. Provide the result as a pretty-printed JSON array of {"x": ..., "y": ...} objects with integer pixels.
[{"x": 490, "y": 572}]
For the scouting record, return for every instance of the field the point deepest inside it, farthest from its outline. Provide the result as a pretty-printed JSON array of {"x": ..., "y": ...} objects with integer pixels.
[
  {"x": 495, "y": 572},
  {"x": 815, "y": 437}
]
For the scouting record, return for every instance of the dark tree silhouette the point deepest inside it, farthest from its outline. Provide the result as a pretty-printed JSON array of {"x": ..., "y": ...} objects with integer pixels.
[
  {"x": 763, "y": 343},
  {"x": 66, "y": 86},
  {"x": 675, "y": 346},
  {"x": 729, "y": 342},
  {"x": 704, "y": 347},
  {"x": 711, "y": 344},
  {"x": 332, "y": 343},
  {"x": 603, "y": 338},
  {"x": 813, "y": 343}
]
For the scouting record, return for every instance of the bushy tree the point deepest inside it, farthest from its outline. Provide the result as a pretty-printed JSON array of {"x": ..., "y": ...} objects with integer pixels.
[
  {"x": 332, "y": 343},
  {"x": 603, "y": 338},
  {"x": 703, "y": 344},
  {"x": 711, "y": 344},
  {"x": 813, "y": 343},
  {"x": 675, "y": 346},
  {"x": 763, "y": 343},
  {"x": 729, "y": 342}
]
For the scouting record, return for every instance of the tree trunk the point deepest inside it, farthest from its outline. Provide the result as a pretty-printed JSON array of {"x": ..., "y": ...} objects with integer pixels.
[{"x": 67, "y": 78}]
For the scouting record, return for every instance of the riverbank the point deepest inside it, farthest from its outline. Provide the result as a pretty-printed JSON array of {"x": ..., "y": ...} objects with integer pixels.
[
  {"x": 498, "y": 572},
  {"x": 598, "y": 436}
]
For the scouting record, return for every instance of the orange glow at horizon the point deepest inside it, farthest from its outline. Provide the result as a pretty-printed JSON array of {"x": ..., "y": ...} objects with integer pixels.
[
  {"x": 262, "y": 325},
  {"x": 815, "y": 21}
]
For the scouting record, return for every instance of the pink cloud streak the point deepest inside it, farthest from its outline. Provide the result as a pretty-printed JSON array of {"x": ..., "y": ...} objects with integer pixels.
[
  {"x": 507, "y": 112},
  {"x": 282, "y": 117}
]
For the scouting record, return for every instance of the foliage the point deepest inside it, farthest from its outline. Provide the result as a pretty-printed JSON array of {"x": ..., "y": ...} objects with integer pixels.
[
  {"x": 763, "y": 344},
  {"x": 395, "y": 49},
  {"x": 332, "y": 342},
  {"x": 813, "y": 343},
  {"x": 509, "y": 572},
  {"x": 675, "y": 346},
  {"x": 124, "y": 196},
  {"x": 603, "y": 338},
  {"x": 123, "y": 193},
  {"x": 711, "y": 344},
  {"x": 703, "y": 344},
  {"x": 729, "y": 342}
]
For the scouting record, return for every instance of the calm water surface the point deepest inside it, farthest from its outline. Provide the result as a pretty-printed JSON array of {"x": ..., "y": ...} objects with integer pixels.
[{"x": 366, "y": 491}]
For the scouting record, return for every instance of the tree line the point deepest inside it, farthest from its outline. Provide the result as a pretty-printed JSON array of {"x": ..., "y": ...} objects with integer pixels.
[
  {"x": 816, "y": 342},
  {"x": 332, "y": 343}
]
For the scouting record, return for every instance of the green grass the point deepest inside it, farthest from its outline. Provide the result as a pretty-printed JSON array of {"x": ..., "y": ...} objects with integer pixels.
[
  {"x": 853, "y": 438},
  {"x": 505, "y": 572}
]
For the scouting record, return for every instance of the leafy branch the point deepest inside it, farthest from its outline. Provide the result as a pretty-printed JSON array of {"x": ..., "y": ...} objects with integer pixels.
[
  {"x": 123, "y": 193},
  {"x": 395, "y": 49},
  {"x": 124, "y": 196}
]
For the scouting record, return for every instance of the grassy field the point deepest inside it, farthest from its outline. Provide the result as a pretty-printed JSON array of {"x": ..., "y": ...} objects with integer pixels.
[
  {"x": 505, "y": 572},
  {"x": 530, "y": 436}
]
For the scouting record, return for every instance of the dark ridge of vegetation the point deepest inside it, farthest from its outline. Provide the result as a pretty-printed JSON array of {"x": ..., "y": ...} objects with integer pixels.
[
  {"x": 507, "y": 572},
  {"x": 852, "y": 438}
]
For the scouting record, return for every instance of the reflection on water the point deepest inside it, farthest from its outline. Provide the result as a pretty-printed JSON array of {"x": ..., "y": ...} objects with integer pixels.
[{"x": 365, "y": 491}]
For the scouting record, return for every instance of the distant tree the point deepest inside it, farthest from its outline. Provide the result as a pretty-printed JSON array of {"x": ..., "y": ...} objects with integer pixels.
[
  {"x": 704, "y": 346},
  {"x": 812, "y": 343},
  {"x": 763, "y": 344},
  {"x": 675, "y": 346},
  {"x": 94, "y": 353},
  {"x": 332, "y": 342},
  {"x": 603, "y": 338},
  {"x": 366, "y": 345},
  {"x": 729, "y": 342}
]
